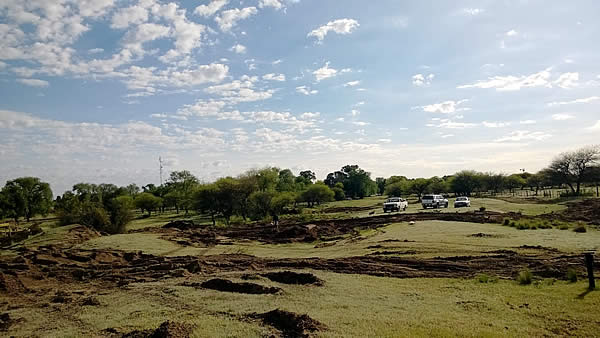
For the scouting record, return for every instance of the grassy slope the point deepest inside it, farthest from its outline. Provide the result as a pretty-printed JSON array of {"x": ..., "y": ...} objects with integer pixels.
[{"x": 370, "y": 306}]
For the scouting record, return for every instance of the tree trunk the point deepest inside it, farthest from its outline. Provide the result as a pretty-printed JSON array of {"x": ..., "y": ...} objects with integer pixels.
[{"x": 213, "y": 219}]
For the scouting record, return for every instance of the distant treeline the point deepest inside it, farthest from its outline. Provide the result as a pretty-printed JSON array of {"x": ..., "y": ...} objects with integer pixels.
[{"x": 260, "y": 193}]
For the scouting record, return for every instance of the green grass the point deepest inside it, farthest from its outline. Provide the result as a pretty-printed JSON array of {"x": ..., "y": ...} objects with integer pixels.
[
  {"x": 427, "y": 238},
  {"x": 349, "y": 305}
]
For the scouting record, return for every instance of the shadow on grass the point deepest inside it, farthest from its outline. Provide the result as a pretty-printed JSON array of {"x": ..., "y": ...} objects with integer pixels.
[{"x": 583, "y": 294}]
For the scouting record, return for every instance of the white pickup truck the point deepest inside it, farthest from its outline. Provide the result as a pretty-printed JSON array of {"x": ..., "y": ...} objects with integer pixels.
[{"x": 395, "y": 204}]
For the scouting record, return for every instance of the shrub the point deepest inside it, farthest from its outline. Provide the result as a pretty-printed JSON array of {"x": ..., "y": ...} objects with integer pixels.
[
  {"x": 485, "y": 278},
  {"x": 482, "y": 209},
  {"x": 522, "y": 226},
  {"x": 525, "y": 277},
  {"x": 545, "y": 226},
  {"x": 572, "y": 275},
  {"x": 513, "y": 224},
  {"x": 506, "y": 221},
  {"x": 580, "y": 228},
  {"x": 563, "y": 227},
  {"x": 95, "y": 216}
]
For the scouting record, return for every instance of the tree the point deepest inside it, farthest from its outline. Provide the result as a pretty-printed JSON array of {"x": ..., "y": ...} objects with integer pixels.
[
  {"x": 465, "y": 182},
  {"x": 593, "y": 177},
  {"x": 535, "y": 181},
  {"x": 515, "y": 181},
  {"x": 338, "y": 192},
  {"x": 248, "y": 184},
  {"x": 120, "y": 213},
  {"x": 132, "y": 189},
  {"x": 267, "y": 179},
  {"x": 572, "y": 166},
  {"x": 494, "y": 182},
  {"x": 308, "y": 175},
  {"x": 260, "y": 203},
  {"x": 281, "y": 201},
  {"x": 183, "y": 183},
  {"x": 205, "y": 200},
  {"x": 380, "y": 181},
  {"x": 27, "y": 197},
  {"x": 357, "y": 182},
  {"x": 419, "y": 186},
  {"x": 317, "y": 193},
  {"x": 286, "y": 181},
  {"x": 227, "y": 199},
  {"x": 335, "y": 177},
  {"x": 437, "y": 185},
  {"x": 148, "y": 202}
]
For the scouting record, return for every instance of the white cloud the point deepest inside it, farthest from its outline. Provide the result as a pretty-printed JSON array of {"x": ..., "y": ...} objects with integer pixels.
[
  {"x": 528, "y": 122},
  {"x": 507, "y": 83},
  {"x": 446, "y": 107},
  {"x": 306, "y": 90},
  {"x": 239, "y": 49},
  {"x": 354, "y": 112},
  {"x": 582, "y": 100},
  {"x": 270, "y": 3},
  {"x": 450, "y": 124},
  {"x": 352, "y": 83},
  {"x": 524, "y": 135},
  {"x": 595, "y": 127},
  {"x": 384, "y": 140},
  {"x": 310, "y": 116},
  {"x": 125, "y": 17},
  {"x": 95, "y": 50},
  {"x": 147, "y": 79},
  {"x": 340, "y": 26},
  {"x": 159, "y": 116},
  {"x": 210, "y": 9},
  {"x": 562, "y": 117},
  {"x": 34, "y": 82},
  {"x": 274, "y": 77},
  {"x": 240, "y": 91},
  {"x": 567, "y": 80},
  {"x": 495, "y": 124},
  {"x": 360, "y": 123},
  {"x": 472, "y": 11},
  {"x": 229, "y": 18},
  {"x": 421, "y": 80},
  {"x": 512, "y": 32},
  {"x": 447, "y": 135},
  {"x": 276, "y": 62},
  {"x": 324, "y": 72}
]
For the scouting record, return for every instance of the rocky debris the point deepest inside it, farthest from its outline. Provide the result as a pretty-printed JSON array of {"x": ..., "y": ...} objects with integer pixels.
[
  {"x": 181, "y": 225},
  {"x": 291, "y": 277},
  {"x": 289, "y": 323},
  {"x": 229, "y": 286}
]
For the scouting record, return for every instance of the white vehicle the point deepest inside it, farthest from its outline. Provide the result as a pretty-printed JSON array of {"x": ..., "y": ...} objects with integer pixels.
[
  {"x": 395, "y": 204},
  {"x": 462, "y": 201},
  {"x": 434, "y": 201}
]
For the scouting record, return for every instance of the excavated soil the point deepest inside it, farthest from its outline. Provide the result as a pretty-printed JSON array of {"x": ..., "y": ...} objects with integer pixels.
[
  {"x": 291, "y": 277},
  {"x": 167, "y": 329},
  {"x": 229, "y": 286},
  {"x": 586, "y": 211},
  {"x": 289, "y": 323},
  {"x": 348, "y": 209},
  {"x": 309, "y": 232}
]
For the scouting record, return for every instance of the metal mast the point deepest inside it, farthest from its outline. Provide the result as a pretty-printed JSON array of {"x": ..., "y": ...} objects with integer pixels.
[{"x": 160, "y": 165}]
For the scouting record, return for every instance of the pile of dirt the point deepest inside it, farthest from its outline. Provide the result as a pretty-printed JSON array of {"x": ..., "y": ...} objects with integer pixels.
[
  {"x": 167, "y": 329},
  {"x": 289, "y": 323},
  {"x": 393, "y": 252},
  {"x": 181, "y": 225},
  {"x": 229, "y": 286},
  {"x": 291, "y": 277},
  {"x": 587, "y": 211},
  {"x": 483, "y": 235}
]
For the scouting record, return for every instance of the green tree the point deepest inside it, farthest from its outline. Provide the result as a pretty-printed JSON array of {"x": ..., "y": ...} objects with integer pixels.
[
  {"x": 593, "y": 178},
  {"x": 419, "y": 186},
  {"x": 206, "y": 199},
  {"x": 260, "y": 203},
  {"x": 338, "y": 192},
  {"x": 183, "y": 183},
  {"x": 380, "y": 181},
  {"x": 286, "y": 181},
  {"x": 120, "y": 212},
  {"x": 317, "y": 193},
  {"x": 515, "y": 181},
  {"x": 571, "y": 167},
  {"x": 248, "y": 183},
  {"x": 267, "y": 179},
  {"x": 281, "y": 202},
  {"x": 27, "y": 197},
  {"x": 308, "y": 175},
  {"x": 148, "y": 202},
  {"x": 357, "y": 182},
  {"x": 465, "y": 182}
]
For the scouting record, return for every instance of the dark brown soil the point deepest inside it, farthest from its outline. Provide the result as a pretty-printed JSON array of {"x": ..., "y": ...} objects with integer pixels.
[
  {"x": 290, "y": 324},
  {"x": 167, "y": 329},
  {"x": 349, "y": 209},
  {"x": 5, "y": 321},
  {"x": 229, "y": 286},
  {"x": 586, "y": 211},
  {"x": 181, "y": 225},
  {"x": 482, "y": 235},
  {"x": 291, "y": 277}
]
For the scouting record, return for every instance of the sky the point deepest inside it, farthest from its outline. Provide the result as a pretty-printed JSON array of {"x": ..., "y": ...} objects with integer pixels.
[{"x": 97, "y": 90}]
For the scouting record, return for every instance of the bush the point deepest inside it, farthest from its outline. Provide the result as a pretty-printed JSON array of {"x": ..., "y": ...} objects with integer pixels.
[
  {"x": 120, "y": 211},
  {"x": 522, "y": 226},
  {"x": 96, "y": 217},
  {"x": 580, "y": 228},
  {"x": 484, "y": 278},
  {"x": 572, "y": 275},
  {"x": 563, "y": 227},
  {"x": 525, "y": 277},
  {"x": 506, "y": 221},
  {"x": 482, "y": 209}
]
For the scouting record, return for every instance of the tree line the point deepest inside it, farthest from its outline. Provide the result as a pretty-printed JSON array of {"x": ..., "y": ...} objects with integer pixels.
[{"x": 260, "y": 193}]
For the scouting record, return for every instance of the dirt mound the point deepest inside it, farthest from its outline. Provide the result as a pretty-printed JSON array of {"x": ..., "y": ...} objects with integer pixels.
[
  {"x": 290, "y": 277},
  {"x": 290, "y": 324},
  {"x": 167, "y": 329},
  {"x": 587, "y": 211},
  {"x": 229, "y": 286},
  {"x": 482, "y": 235},
  {"x": 299, "y": 233},
  {"x": 181, "y": 225}
]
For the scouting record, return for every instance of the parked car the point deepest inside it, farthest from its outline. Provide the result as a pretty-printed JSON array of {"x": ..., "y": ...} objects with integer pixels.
[
  {"x": 462, "y": 201},
  {"x": 434, "y": 201},
  {"x": 395, "y": 204}
]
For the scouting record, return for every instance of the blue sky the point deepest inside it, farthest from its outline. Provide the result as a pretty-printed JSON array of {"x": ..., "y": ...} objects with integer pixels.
[{"x": 97, "y": 90}]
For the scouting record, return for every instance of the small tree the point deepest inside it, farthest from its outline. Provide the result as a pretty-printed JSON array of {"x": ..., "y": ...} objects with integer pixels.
[
  {"x": 419, "y": 186},
  {"x": 148, "y": 202},
  {"x": 317, "y": 193},
  {"x": 27, "y": 197},
  {"x": 572, "y": 166},
  {"x": 206, "y": 199}
]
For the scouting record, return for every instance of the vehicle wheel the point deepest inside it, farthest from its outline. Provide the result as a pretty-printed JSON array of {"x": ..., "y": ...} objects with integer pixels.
[{"x": 404, "y": 209}]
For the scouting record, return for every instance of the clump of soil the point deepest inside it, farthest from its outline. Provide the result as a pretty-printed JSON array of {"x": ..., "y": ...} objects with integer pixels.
[
  {"x": 91, "y": 301},
  {"x": 482, "y": 235},
  {"x": 290, "y": 277},
  {"x": 5, "y": 321},
  {"x": 167, "y": 329},
  {"x": 393, "y": 252},
  {"x": 181, "y": 225},
  {"x": 289, "y": 323},
  {"x": 229, "y": 286},
  {"x": 348, "y": 209},
  {"x": 61, "y": 297}
]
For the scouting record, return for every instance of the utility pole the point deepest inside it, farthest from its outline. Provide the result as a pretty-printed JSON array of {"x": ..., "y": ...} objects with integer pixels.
[{"x": 160, "y": 169}]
